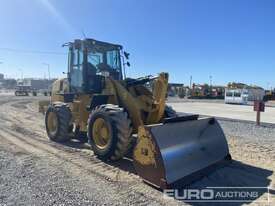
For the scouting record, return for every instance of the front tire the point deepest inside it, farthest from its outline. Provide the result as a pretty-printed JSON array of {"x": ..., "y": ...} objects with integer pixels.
[
  {"x": 109, "y": 132},
  {"x": 58, "y": 122}
]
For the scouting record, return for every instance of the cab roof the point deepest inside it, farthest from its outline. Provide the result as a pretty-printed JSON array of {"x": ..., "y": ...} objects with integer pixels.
[{"x": 88, "y": 42}]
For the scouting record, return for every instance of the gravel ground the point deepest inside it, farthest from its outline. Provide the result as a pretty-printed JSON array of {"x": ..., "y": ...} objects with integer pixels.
[
  {"x": 35, "y": 171},
  {"x": 29, "y": 180},
  {"x": 249, "y": 130}
]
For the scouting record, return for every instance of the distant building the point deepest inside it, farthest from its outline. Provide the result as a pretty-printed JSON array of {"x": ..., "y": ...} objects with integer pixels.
[
  {"x": 205, "y": 91},
  {"x": 217, "y": 91},
  {"x": 1, "y": 76},
  {"x": 269, "y": 95},
  {"x": 200, "y": 90},
  {"x": 174, "y": 89},
  {"x": 8, "y": 83}
]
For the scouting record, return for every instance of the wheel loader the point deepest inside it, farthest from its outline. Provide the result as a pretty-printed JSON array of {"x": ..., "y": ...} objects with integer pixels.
[{"x": 120, "y": 116}]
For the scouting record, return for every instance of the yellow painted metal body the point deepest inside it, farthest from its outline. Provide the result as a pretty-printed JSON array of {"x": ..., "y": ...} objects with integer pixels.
[
  {"x": 79, "y": 110},
  {"x": 144, "y": 107},
  {"x": 159, "y": 93},
  {"x": 145, "y": 150}
]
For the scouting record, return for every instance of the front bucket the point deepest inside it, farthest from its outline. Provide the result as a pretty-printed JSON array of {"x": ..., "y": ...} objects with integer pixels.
[{"x": 174, "y": 154}]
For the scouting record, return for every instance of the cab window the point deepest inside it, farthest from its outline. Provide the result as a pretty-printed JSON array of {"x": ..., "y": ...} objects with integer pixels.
[
  {"x": 77, "y": 69},
  {"x": 113, "y": 59}
]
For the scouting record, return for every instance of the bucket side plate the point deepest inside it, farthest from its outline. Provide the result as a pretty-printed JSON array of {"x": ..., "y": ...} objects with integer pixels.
[{"x": 186, "y": 150}]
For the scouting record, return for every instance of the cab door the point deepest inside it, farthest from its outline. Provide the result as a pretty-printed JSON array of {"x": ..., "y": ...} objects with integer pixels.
[{"x": 76, "y": 70}]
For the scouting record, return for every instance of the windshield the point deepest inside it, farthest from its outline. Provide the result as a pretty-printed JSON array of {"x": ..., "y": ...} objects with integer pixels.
[
  {"x": 109, "y": 58},
  {"x": 95, "y": 58}
]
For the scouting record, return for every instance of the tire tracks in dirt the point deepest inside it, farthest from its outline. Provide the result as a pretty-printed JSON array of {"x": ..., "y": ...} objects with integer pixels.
[{"x": 79, "y": 161}]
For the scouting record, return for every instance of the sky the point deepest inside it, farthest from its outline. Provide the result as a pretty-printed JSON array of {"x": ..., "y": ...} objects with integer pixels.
[{"x": 229, "y": 40}]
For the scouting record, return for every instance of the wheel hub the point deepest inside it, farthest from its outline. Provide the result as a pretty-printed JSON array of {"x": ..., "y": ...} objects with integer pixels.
[{"x": 101, "y": 133}]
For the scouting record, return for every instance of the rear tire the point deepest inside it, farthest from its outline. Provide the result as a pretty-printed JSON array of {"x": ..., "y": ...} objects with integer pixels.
[
  {"x": 58, "y": 122},
  {"x": 119, "y": 130}
]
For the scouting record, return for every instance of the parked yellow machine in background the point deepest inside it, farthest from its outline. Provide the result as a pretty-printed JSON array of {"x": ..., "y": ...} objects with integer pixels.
[{"x": 96, "y": 103}]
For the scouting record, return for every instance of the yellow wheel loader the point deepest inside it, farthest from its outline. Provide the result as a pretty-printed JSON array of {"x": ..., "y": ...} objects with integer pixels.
[{"x": 119, "y": 115}]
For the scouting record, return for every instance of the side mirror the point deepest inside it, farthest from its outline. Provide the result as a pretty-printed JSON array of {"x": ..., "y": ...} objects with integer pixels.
[
  {"x": 128, "y": 64},
  {"x": 126, "y": 55},
  {"x": 67, "y": 44}
]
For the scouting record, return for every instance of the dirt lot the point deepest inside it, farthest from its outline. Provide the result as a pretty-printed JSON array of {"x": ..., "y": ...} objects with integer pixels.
[{"x": 35, "y": 171}]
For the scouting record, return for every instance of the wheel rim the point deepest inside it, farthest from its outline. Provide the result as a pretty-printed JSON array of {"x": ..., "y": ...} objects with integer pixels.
[
  {"x": 101, "y": 133},
  {"x": 52, "y": 123}
]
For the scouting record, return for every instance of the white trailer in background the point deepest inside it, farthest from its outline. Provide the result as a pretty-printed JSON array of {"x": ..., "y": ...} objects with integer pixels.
[
  {"x": 243, "y": 95},
  {"x": 236, "y": 96}
]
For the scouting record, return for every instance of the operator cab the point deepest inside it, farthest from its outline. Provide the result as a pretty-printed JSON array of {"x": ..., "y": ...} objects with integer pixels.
[{"x": 90, "y": 62}]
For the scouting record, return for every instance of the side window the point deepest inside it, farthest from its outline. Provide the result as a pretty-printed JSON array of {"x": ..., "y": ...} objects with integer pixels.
[
  {"x": 80, "y": 57},
  {"x": 75, "y": 57},
  {"x": 113, "y": 59},
  {"x": 229, "y": 94},
  {"x": 76, "y": 73},
  {"x": 237, "y": 94},
  {"x": 95, "y": 58}
]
